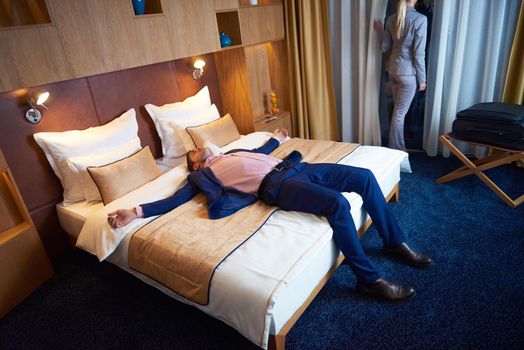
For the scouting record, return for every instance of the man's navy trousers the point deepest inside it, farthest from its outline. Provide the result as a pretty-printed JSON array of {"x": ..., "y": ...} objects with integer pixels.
[{"x": 316, "y": 189}]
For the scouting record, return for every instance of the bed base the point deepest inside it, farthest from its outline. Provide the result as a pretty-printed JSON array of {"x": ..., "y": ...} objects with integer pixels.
[{"x": 278, "y": 341}]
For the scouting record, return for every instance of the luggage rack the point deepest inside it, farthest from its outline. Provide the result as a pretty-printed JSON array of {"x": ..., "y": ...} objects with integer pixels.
[{"x": 501, "y": 157}]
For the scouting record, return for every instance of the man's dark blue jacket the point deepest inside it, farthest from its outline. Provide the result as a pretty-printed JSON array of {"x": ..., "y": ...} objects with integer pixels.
[{"x": 222, "y": 201}]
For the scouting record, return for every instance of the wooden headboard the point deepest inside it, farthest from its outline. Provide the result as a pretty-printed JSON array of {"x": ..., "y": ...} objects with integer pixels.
[{"x": 79, "y": 104}]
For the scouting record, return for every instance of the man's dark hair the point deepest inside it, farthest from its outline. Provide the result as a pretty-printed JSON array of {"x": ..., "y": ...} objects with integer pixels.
[{"x": 190, "y": 163}]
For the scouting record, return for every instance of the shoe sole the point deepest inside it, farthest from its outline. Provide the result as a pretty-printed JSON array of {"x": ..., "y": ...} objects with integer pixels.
[
  {"x": 385, "y": 301},
  {"x": 403, "y": 260}
]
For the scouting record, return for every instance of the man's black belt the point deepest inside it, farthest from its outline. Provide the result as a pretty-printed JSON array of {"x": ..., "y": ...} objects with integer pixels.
[
  {"x": 267, "y": 194},
  {"x": 291, "y": 159}
]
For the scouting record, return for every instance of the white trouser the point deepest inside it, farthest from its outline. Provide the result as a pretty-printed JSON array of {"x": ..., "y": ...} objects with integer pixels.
[{"x": 404, "y": 88}]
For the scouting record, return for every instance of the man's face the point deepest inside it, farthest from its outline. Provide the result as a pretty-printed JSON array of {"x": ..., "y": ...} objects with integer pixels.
[{"x": 199, "y": 157}]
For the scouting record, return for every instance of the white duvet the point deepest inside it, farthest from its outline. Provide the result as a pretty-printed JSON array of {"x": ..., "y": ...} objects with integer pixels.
[{"x": 101, "y": 240}]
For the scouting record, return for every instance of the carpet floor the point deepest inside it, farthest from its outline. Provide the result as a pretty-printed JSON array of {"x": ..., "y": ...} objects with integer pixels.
[{"x": 471, "y": 298}]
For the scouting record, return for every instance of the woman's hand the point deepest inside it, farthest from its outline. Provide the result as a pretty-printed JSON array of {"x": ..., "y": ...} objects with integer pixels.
[{"x": 378, "y": 26}]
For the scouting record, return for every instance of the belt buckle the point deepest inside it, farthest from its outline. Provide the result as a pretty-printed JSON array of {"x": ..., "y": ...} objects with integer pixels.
[{"x": 280, "y": 166}]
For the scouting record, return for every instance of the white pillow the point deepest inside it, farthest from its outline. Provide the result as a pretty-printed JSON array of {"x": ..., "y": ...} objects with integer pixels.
[
  {"x": 175, "y": 139},
  {"x": 60, "y": 146},
  {"x": 181, "y": 113},
  {"x": 179, "y": 127},
  {"x": 79, "y": 164}
]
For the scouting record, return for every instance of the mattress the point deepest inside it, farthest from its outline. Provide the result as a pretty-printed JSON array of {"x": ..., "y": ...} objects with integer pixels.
[
  {"x": 287, "y": 289},
  {"x": 73, "y": 216}
]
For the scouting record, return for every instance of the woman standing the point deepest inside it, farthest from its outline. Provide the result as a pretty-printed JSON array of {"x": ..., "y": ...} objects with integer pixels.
[{"x": 405, "y": 35}]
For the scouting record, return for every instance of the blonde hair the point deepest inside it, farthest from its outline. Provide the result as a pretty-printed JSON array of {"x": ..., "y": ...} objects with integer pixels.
[{"x": 401, "y": 16}]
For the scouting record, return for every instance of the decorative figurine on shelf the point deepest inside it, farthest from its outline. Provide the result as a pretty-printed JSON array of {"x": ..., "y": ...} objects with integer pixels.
[
  {"x": 274, "y": 102},
  {"x": 139, "y": 6},
  {"x": 225, "y": 40}
]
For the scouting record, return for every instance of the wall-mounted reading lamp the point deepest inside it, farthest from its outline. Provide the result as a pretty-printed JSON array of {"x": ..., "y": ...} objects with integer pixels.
[
  {"x": 199, "y": 69},
  {"x": 33, "y": 115}
]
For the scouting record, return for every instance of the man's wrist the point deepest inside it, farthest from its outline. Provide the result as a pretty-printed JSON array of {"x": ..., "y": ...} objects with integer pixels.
[{"x": 139, "y": 212}]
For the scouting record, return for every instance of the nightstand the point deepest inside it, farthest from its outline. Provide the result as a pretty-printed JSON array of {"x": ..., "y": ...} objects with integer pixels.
[
  {"x": 270, "y": 122},
  {"x": 24, "y": 264}
]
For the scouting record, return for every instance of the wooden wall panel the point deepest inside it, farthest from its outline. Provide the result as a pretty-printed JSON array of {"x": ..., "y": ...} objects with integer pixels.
[
  {"x": 89, "y": 37},
  {"x": 31, "y": 56},
  {"x": 234, "y": 88},
  {"x": 261, "y": 23},
  {"x": 153, "y": 40},
  {"x": 82, "y": 35},
  {"x": 259, "y": 79},
  {"x": 192, "y": 26},
  {"x": 103, "y": 36},
  {"x": 279, "y": 72},
  {"x": 226, "y": 4}
]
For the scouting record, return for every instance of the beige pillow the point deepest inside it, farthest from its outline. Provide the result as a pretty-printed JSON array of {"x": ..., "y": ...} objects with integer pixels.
[
  {"x": 219, "y": 132},
  {"x": 121, "y": 177}
]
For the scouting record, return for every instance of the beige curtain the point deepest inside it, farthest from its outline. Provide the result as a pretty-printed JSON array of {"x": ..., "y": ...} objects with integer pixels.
[
  {"x": 514, "y": 88},
  {"x": 312, "y": 91}
]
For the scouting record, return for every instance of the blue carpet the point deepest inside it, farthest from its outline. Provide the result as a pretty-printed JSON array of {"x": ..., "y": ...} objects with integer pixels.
[{"x": 472, "y": 298}]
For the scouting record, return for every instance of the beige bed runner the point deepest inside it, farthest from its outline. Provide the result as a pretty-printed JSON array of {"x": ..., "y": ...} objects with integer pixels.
[{"x": 182, "y": 248}]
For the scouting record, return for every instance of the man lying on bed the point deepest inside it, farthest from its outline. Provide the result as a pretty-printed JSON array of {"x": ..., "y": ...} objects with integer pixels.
[{"x": 234, "y": 180}]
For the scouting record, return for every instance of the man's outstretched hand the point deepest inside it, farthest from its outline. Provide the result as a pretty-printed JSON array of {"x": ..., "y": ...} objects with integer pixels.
[
  {"x": 121, "y": 217},
  {"x": 280, "y": 134}
]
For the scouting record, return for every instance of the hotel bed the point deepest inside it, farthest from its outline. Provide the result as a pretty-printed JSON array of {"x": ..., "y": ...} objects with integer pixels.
[{"x": 265, "y": 284}]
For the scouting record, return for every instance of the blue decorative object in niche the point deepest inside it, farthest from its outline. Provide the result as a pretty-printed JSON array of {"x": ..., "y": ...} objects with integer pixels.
[
  {"x": 225, "y": 40},
  {"x": 139, "y": 6}
]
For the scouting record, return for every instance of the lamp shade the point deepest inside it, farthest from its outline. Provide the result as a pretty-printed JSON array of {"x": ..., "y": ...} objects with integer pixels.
[
  {"x": 42, "y": 98},
  {"x": 199, "y": 64}
]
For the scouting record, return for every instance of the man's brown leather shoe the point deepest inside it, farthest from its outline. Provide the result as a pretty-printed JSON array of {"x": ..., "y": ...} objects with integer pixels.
[
  {"x": 408, "y": 255},
  {"x": 384, "y": 290}
]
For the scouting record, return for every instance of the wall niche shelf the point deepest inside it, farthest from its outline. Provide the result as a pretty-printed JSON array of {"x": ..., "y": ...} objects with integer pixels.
[
  {"x": 152, "y": 7},
  {"x": 229, "y": 23},
  {"x": 22, "y": 13},
  {"x": 231, "y": 47}
]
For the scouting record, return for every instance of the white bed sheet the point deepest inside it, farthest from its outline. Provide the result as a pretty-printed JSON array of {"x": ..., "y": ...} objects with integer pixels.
[{"x": 276, "y": 288}]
